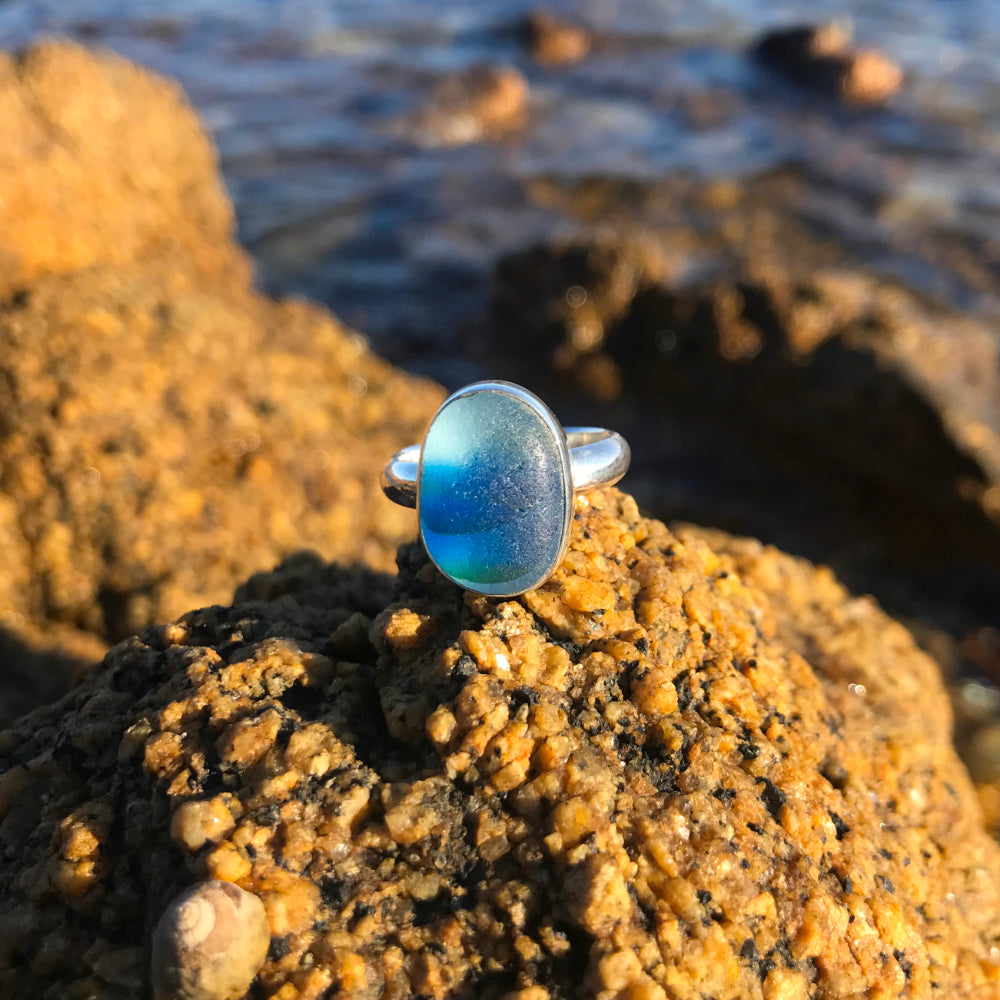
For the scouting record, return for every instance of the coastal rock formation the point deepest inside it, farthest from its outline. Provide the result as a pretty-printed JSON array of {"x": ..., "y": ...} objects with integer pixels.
[
  {"x": 104, "y": 163},
  {"x": 822, "y": 58},
  {"x": 553, "y": 41},
  {"x": 688, "y": 765},
  {"x": 481, "y": 103},
  {"x": 164, "y": 430},
  {"x": 160, "y": 439}
]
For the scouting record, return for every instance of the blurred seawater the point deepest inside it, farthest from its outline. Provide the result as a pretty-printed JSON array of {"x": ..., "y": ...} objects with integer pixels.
[{"x": 339, "y": 197}]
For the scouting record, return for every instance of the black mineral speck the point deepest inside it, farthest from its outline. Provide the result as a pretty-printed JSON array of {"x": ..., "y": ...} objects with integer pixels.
[
  {"x": 280, "y": 947},
  {"x": 840, "y": 826},
  {"x": 772, "y": 797},
  {"x": 885, "y": 883},
  {"x": 333, "y": 892}
]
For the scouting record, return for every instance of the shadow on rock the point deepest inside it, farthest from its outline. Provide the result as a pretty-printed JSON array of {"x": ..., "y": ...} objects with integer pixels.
[{"x": 36, "y": 669}]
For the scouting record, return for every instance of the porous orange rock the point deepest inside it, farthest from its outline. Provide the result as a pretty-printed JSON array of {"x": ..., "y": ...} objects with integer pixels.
[
  {"x": 164, "y": 430},
  {"x": 148, "y": 412},
  {"x": 686, "y": 766},
  {"x": 104, "y": 162}
]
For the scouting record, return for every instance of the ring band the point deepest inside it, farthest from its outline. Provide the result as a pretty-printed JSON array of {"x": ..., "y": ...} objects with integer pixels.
[
  {"x": 493, "y": 483},
  {"x": 597, "y": 458}
]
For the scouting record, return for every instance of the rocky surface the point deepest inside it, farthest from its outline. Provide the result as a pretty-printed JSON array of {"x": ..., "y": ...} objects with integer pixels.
[
  {"x": 102, "y": 163},
  {"x": 686, "y": 766},
  {"x": 159, "y": 440},
  {"x": 164, "y": 431}
]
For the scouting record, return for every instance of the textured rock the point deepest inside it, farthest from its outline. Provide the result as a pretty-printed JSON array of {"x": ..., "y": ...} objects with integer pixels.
[
  {"x": 164, "y": 431},
  {"x": 102, "y": 162},
  {"x": 686, "y": 766},
  {"x": 160, "y": 439}
]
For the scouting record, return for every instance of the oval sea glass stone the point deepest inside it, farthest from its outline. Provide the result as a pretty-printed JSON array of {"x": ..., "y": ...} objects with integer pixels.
[{"x": 493, "y": 492}]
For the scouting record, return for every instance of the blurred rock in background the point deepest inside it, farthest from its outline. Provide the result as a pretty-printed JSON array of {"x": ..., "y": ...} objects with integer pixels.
[
  {"x": 103, "y": 163},
  {"x": 821, "y": 57},
  {"x": 164, "y": 430},
  {"x": 482, "y": 103},
  {"x": 553, "y": 41}
]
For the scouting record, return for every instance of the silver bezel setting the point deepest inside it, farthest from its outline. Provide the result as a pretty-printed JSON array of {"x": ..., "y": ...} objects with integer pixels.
[{"x": 536, "y": 405}]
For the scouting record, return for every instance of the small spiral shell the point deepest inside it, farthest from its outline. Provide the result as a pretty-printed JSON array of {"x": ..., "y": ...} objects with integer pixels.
[
  {"x": 209, "y": 943},
  {"x": 193, "y": 920}
]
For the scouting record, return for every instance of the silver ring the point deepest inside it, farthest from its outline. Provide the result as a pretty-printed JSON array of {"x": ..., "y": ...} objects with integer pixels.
[{"x": 493, "y": 485}]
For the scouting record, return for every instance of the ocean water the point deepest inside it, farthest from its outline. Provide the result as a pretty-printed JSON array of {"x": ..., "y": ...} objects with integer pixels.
[{"x": 341, "y": 198}]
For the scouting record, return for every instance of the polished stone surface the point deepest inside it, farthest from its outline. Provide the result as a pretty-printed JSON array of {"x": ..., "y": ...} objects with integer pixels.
[{"x": 493, "y": 501}]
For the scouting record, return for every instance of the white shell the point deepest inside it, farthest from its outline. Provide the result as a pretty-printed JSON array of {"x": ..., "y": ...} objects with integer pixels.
[
  {"x": 192, "y": 921},
  {"x": 209, "y": 943}
]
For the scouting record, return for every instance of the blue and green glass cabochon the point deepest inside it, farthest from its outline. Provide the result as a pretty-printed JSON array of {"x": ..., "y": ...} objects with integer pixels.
[{"x": 494, "y": 491}]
